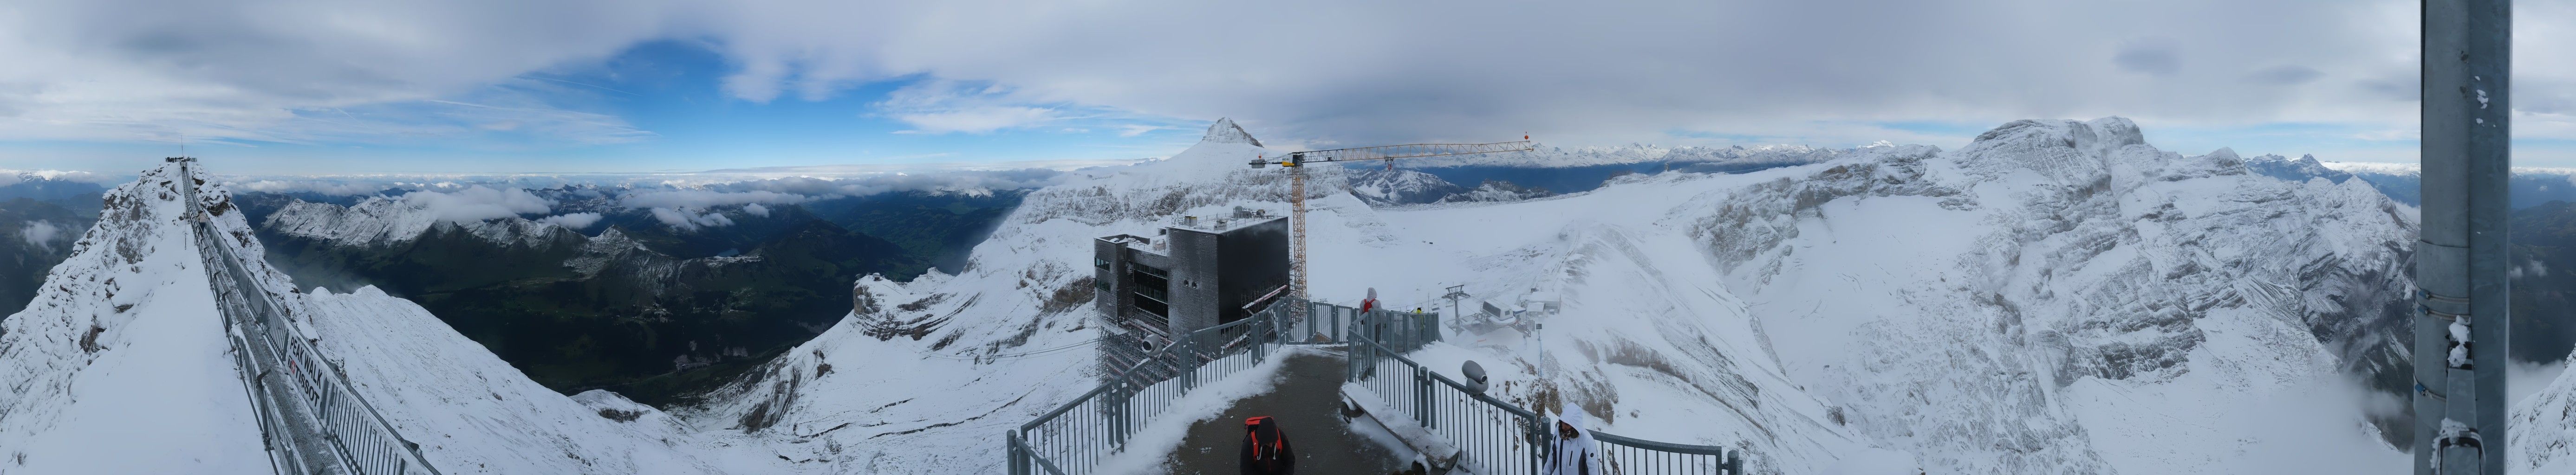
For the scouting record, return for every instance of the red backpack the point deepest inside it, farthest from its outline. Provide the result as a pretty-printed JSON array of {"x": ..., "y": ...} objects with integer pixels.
[{"x": 1261, "y": 449}]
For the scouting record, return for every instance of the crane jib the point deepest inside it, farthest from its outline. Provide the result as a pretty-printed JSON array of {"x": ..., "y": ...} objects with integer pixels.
[{"x": 1391, "y": 152}]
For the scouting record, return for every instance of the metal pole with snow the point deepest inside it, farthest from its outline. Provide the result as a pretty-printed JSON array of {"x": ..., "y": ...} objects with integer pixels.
[{"x": 2460, "y": 322}]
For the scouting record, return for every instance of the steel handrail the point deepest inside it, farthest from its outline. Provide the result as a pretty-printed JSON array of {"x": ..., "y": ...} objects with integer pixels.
[
  {"x": 1659, "y": 446},
  {"x": 1122, "y": 384},
  {"x": 269, "y": 319},
  {"x": 1726, "y": 461},
  {"x": 350, "y": 388}
]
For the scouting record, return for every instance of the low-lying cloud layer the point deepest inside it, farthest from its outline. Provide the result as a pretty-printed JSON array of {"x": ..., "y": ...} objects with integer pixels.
[
  {"x": 972, "y": 181},
  {"x": 572, "y": 221},
  {"x": 13, "y": 177},
  {"x": 686, "y": 201},
  {"x": 40, "y": 234},
  {"x": 707, "y": 198},
  {"x": 690, "y": 220},
  {"x": 478, "y": 203}
]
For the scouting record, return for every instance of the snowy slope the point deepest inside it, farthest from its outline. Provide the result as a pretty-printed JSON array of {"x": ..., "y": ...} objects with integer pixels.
[
  {"x": 924, "y": 375},
  {"x": 2057, "y": 297},
  {"x": 2123, "y": 308},
  {"x": 470, "y": 411},
  {"x": 1026, "y": 293},
  {"x": 473, "y": 413},
  {"x": 120, "y": 364},
  {"x": 121, "y": 367}
]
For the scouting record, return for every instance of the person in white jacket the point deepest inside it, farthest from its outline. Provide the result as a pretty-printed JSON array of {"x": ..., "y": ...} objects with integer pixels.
[{"x": 1575, "y": 453}]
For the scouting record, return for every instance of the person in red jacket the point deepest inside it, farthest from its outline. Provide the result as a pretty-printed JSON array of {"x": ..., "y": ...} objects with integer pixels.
[{"x": 1265, "y": 448}]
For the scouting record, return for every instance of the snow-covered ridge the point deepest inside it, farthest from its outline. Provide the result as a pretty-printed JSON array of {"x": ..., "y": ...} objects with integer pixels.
[
  {"x": 2301, "y": 169},
  {"x": 2050, "y": 264},
  {"x": 122, "y": 348},
  {"x": 381, "y": 222},
  {"x": 1557, "y": 157}
]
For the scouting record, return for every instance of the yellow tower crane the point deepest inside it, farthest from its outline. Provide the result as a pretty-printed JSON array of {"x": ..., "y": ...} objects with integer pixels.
[{"x": 1296, "y": 165}]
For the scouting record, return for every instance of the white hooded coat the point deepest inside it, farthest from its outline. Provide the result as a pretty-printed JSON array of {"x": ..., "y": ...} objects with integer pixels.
[{"x": 1580, "y": 455}]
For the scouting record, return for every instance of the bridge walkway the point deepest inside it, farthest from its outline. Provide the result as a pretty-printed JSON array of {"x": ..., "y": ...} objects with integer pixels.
[{"x": 1307, "y": 403}]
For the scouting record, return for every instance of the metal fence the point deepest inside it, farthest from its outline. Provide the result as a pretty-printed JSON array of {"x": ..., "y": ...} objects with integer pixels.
[
  {"x": 1493, "y": 437},
  {"x": 1076, "y": 437},
  {"x": 1622, "y": 455},
  {"x": 309, "y": 415},
  {"x": 1496, "y": 437}
]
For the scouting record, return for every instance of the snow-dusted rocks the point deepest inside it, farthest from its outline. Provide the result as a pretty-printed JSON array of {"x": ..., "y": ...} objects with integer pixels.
[
  {"x": 120, "y": 365},
  {"x": 2301, "y": 169},
  {"x": 2060, "y": 297},
  {"x": 1384, "y": 187},
  {"x": 473, "y": 413},
  {"x": 1224, "y": 131},
  {"x": 924, "y": 375},
  {"x": 2056, "y": 297},
  {"x": 381, "y": 222}
]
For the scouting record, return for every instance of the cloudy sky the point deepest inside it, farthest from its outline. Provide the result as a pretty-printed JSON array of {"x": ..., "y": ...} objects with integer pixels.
[{"x": 338, "y": 86}]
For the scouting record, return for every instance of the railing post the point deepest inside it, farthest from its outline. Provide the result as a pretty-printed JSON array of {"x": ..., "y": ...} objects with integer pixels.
[
  {"x": 1187, "y": 351},
  {"x": 1339, "y": 333},
  {"x": 1423, "y": 402},
  {"x": 1531, "y": 431},
  {"x": 1114, "y": 403},
  {"x": 1259, "y": 332},
  {"x": 1011, "y": 446}
]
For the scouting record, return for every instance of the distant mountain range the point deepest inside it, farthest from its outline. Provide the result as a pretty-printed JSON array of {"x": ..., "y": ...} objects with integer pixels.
[
  {"x": 2404, "y": 182},
  {"x": 651, "y": 310}
]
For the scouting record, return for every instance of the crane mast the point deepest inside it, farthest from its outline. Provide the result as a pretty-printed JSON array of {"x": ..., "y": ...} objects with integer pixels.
[{"x": 1296, "y": 165}]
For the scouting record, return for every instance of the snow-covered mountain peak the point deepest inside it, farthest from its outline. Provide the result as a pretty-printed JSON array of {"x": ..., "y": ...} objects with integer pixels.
[
  {"x": 2067, "y": 152},
  {"x": 2301, "y": 169},
  {"x": 1225, "y": 131},
  {"x": 122, "y": 347},
  {"x": 385, "y": 221}
]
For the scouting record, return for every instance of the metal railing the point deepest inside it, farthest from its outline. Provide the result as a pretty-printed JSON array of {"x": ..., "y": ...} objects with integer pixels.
[
  {"x": 1330, "y": 324},
  {"x": 1622, "y": 455},
  {"x": 1496, "y": 437},
  {"x": 309, "y": 415},
  {"x": 1076, "y": 437},
  {"x": 1493, "y": 437}
]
